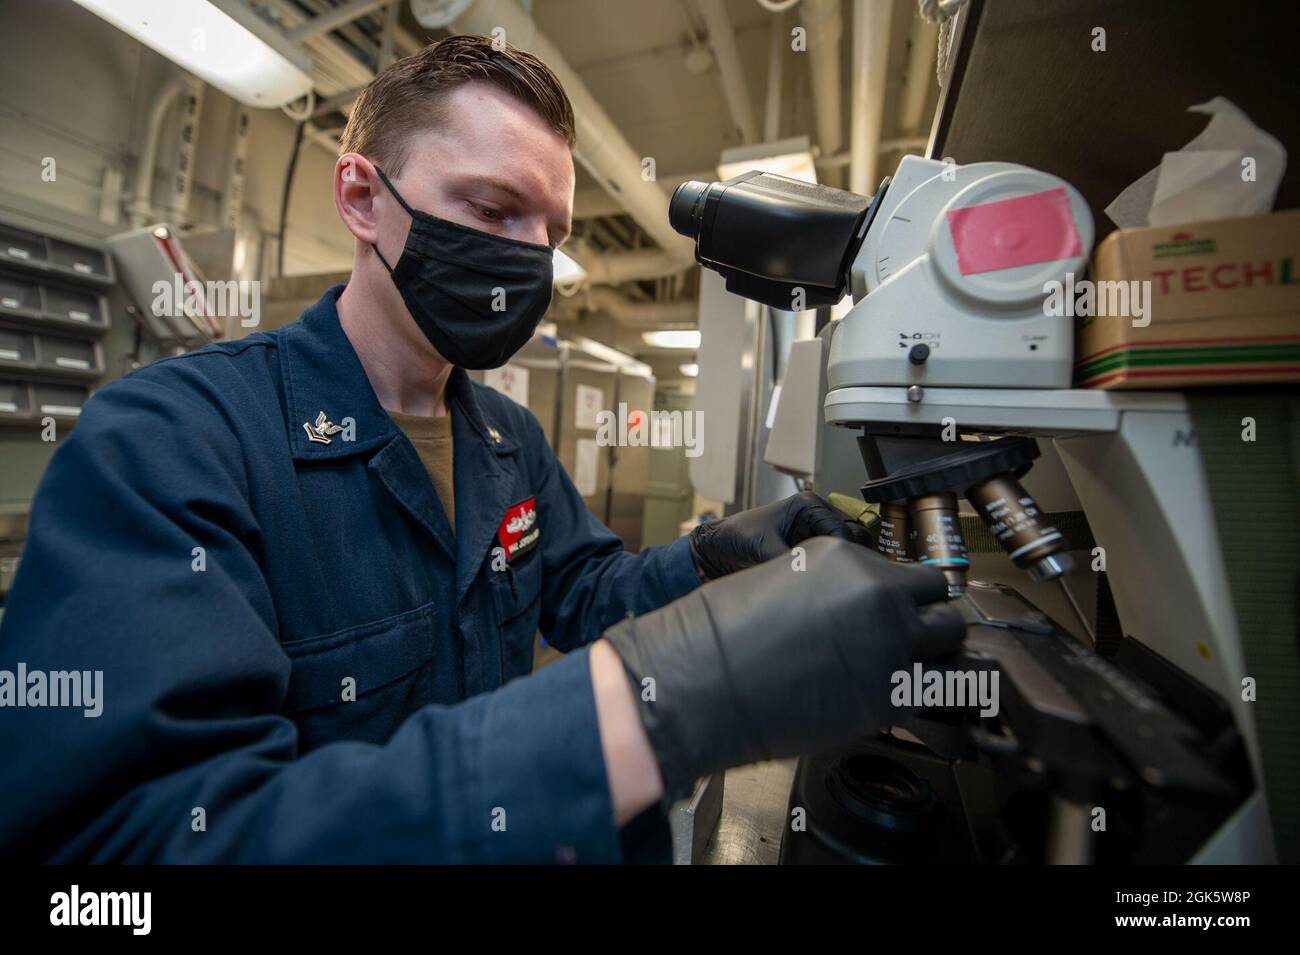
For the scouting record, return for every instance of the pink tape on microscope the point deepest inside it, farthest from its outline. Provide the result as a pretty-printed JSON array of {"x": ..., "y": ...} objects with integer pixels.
[{"x": 1011, "y": 232}]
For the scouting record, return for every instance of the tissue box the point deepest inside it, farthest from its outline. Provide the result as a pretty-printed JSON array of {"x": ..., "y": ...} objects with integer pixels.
[{"x": 1221, "y": 302}]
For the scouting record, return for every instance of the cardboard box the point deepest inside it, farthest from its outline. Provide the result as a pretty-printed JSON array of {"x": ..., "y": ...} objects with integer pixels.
[{"x": 1221, "y": 302}]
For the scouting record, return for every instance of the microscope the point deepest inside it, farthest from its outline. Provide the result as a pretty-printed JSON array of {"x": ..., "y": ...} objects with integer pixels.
[{"x": 948, "y": 370}]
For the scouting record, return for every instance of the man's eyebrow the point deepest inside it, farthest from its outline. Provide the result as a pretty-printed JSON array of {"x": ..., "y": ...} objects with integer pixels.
[{"x": 492, "y": 182}]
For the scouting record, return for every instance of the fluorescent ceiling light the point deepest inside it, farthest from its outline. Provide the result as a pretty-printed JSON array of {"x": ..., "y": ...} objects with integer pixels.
[
  {"x": 690, "y": 369},
  {"x": 566, "y": 269},
  {"x": 786, "y": 157},
  {"x": 222, "y": 42},
  {"x": 621, "y": 360},
  {"x": 673, "y": 338}
]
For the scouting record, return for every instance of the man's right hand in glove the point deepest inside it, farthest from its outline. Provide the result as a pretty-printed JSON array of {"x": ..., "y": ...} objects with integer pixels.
[{"x": 768, "y": 662}]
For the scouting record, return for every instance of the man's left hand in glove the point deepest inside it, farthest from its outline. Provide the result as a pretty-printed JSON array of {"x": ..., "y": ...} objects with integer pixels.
[{"x": 761, "y": 533}]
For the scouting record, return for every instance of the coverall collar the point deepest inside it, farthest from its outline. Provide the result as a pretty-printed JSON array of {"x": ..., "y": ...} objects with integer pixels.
[{"x": 324, "y": 376}]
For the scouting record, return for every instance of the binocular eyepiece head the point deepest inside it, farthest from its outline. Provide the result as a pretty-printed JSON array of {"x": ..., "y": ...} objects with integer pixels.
[{"x": 779, "y": 241}]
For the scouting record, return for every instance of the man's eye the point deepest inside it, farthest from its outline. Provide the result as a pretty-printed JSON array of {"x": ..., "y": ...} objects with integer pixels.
[{"x": 488, "y": 213}]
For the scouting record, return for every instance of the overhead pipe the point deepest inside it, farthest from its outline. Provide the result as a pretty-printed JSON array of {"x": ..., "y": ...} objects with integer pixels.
[
  {"x": 901, "y": 144},
  {"x": 388, "y": 37},
  {"x": 775, "y": 63},
  {"x": 643, "y": 314},
  {"x": 636, "y": 265},
  {"x": 187, "y": 149},
  {"x": 722, "y": 40},
  {"x": 823, "y": 26},
  {"x": 924, "y": 39},
  {"x": 333, "y": 19},
  {"x": 602, "y": 149},
  {"x": 232, "y": 196},
  {"x": 871, "y": 23},
  {"x": 337, "y": 74},
  {"x": 594, "y": 203},
  {"x": 142, "y": 212}
]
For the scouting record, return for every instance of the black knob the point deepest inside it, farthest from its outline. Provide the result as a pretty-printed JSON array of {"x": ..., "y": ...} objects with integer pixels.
[{"x": 918, "y": 354}]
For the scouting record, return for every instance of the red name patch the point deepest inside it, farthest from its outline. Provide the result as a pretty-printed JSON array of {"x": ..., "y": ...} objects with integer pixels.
[{"x": 519, "y": 532}]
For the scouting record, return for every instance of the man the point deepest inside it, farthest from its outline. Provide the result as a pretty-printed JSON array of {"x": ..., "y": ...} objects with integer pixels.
[{"x": 306, "y": 562}]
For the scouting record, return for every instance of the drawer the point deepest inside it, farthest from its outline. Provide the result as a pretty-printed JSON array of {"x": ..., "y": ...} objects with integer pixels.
[
  {"x": 59, "y": 355},
  {"x": 22, "y": 247},
  {"x": 19, "y": 296},
  {"x": 15, "y": 399},
  {"x": 17, "y": 349},
  {"x": 74, "y": 306},
  {"x": 61, "y": 401},
  {"x": 79, "y": 260}
]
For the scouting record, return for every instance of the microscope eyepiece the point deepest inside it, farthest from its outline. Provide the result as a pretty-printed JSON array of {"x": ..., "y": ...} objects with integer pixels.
[
  {"x": 783, "y": 242},
  {"x": 686, "y": 208}
]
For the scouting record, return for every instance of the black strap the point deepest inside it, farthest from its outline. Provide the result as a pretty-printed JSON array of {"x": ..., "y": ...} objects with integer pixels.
[
  {"x": 402, "y": 202},
  {"x": 396, "y": 195},
  {"x": 381, "y": 258}
]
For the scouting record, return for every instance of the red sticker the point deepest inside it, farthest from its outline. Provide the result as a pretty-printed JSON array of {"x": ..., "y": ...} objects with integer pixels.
[
  {"x": 1011, "y": 232},
  {"x": 519, "y": 532}
]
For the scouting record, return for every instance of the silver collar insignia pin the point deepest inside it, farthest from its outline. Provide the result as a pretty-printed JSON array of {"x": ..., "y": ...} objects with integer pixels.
[{"x": 320, "y": 431}]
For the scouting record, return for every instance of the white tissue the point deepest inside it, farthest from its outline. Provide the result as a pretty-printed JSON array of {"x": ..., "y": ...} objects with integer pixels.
[{"x": 1204, "y": 180}]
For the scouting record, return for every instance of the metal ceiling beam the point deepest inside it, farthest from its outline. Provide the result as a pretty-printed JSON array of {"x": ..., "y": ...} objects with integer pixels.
[{"x": 332, "y": 20}]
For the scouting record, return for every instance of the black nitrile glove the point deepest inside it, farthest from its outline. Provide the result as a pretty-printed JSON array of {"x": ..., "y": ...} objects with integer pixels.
[
  {"x": 761, "y": 533},
  {"x": 775, "y": 661}
]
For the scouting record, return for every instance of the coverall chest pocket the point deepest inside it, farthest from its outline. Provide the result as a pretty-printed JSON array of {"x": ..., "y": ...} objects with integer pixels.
[
  {"x": 516, "y": 593},
  {"x": 362, "y": 683}
]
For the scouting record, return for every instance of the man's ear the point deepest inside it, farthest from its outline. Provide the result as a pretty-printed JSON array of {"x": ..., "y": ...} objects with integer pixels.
[{"x": 356, "y": 185}]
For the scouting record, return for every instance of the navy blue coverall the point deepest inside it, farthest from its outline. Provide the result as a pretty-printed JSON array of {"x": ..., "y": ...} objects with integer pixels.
[{"x": 232, "y": 576}]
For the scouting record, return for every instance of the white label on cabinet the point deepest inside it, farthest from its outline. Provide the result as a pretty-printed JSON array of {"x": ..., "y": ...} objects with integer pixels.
[
  {"x": 63, "y": 362},
  {"x": 584, "y": 477},
  {"x": 588, "y": 401},
  {"x": 79, "y": 315},
  {"x": 511, "y": 381}
]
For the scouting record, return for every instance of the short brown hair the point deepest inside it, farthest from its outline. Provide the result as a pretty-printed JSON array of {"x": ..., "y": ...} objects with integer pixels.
[{"x": 409, "y": 95}]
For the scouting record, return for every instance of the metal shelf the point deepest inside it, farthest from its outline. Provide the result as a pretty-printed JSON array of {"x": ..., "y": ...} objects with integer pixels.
[
  {"x": 27, "y": 301},
  {"x": 29, "y": 252}
]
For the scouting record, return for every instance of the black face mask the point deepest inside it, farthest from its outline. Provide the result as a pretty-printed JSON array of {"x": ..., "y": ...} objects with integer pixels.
[{"x": 477, "y": 297}]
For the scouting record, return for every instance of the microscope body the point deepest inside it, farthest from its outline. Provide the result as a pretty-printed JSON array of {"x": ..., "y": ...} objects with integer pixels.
[
  {"x": 955, "y": 358},
  {"x": 950, "y": 280}
]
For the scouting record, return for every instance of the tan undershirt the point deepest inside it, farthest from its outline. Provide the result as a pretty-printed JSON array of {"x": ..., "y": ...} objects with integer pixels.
[{"x": 432, "y": 440}]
